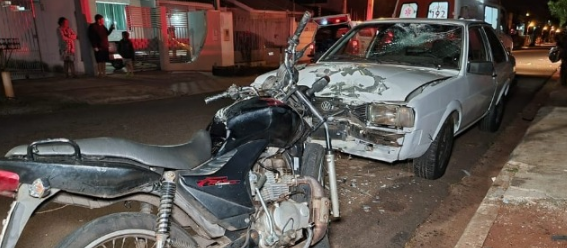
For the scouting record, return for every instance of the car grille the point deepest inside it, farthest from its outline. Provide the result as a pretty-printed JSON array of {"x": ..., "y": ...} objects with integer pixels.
[
  {"x": 360, "y": 112},
  {"x": 334, "y": 107}
]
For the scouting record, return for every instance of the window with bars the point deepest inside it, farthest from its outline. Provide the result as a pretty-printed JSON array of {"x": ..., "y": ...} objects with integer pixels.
[{"x": 113, "y": 13}]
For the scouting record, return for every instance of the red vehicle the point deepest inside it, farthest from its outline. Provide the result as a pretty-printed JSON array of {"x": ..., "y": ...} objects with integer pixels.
[{"x": 329, "y": 30}]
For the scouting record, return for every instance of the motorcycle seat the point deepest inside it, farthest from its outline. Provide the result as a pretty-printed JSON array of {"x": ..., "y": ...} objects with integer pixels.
[{"x": 181, "y": 157}]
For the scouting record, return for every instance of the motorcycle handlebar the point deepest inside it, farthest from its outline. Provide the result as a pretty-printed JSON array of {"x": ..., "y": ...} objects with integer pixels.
[
  {"x": 319, "y": 85},
  {"x": 301, "y": 26},
  {"x": 216, "y": 97}
]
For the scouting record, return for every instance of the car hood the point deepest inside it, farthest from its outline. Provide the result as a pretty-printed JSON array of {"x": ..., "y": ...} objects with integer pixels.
[{"x": 359, "y": 83}]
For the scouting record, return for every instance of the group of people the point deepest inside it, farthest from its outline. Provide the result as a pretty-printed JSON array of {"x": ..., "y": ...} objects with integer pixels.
[{"x": 98, "y": 37}]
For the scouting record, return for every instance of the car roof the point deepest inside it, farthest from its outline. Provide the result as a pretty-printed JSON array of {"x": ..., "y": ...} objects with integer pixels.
[{"x": 425, "y": 21}]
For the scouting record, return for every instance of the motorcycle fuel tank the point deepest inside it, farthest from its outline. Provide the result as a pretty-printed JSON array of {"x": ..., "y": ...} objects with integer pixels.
[{"x": 257, "y": 119}]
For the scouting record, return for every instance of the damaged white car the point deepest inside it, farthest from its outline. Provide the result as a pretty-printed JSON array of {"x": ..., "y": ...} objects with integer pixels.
[{"x": 409, "y": 86}]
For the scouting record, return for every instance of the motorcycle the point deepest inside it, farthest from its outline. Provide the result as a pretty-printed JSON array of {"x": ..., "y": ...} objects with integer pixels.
[{"x": 250, "y": 180}]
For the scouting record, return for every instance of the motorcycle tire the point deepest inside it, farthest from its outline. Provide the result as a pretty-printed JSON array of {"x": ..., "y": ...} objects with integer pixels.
[
  {"x": 313, "y": 162},
  {"x": 119, "y": 227},
  {"x": 313, "y": 165}
]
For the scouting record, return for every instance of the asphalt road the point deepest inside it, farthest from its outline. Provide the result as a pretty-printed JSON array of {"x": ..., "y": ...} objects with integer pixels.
[{"x": 382, "y": 204}]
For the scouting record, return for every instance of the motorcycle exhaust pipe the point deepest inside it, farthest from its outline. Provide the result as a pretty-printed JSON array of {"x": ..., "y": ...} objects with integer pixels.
[{"x": 320, "y": 209}]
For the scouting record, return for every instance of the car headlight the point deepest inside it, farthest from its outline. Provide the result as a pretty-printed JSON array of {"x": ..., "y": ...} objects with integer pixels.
[{"x": 391, "y": 115}]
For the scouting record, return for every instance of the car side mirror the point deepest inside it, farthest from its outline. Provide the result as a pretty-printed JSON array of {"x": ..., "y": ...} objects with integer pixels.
[{"x": 481, "y": 68}]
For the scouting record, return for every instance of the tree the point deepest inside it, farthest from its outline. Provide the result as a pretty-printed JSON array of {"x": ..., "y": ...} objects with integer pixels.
[{"x": 558, "y": 9}]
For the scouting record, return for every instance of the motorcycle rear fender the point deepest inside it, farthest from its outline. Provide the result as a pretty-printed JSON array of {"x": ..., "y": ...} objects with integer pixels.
[
  {"x": 19, "y": 214},
  {"x": 23, "y": 208},
  {"x": 95, "y": 179}
]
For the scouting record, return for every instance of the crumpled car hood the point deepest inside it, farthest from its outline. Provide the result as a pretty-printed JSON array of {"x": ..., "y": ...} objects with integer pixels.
[{"x": 360, "y": 83}]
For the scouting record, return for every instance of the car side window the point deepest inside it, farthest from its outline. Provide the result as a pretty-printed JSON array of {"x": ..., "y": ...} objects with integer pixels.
[
  {"x": 477, "y": 49},
  {"x": 498, "y": 52}
]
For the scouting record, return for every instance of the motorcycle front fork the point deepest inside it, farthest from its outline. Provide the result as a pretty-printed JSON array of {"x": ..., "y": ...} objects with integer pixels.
[{"x": 330, "y": 159}]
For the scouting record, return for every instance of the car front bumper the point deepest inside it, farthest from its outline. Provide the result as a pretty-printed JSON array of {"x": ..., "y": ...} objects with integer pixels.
[{"x": 379, "y": 144}]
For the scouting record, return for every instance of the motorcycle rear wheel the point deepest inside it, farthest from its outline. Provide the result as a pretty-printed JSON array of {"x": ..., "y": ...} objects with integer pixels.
[{"x": 129, "y": 229}]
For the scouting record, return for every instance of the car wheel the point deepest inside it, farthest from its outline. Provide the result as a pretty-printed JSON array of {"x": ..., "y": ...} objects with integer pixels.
[
  {"x": 433, "y": 163},
  {"x": 117, "y": 64},
  {"x": 491, "y": 122}
]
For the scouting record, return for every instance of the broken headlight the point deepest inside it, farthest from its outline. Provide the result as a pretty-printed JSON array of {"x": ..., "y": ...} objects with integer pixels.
[{"x": 390, "y": 115}]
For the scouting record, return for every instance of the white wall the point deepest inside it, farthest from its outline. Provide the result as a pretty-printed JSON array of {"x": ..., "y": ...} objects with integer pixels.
[
  {"x": 47, "y": 14},
  {"x": 227, "y": 44}
]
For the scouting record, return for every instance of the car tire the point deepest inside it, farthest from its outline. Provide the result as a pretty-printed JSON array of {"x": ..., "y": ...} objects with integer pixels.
[
  {"x": 491, "y": 122},
  {"x": 433, "y": 163}
]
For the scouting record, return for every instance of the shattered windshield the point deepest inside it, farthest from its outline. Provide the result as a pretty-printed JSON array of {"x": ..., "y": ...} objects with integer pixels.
[{"x": 418, "y": 44}]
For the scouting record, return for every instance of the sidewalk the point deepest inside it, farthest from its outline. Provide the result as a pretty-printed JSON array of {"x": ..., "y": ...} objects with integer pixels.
[
  {"x": 41, "y": 95},
  {"x": 526, "y": 205}
]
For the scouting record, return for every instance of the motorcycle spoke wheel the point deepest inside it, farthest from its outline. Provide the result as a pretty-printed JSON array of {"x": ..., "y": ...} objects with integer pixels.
[
  {"x": 122, "y": 230},
  {"x": 126, "y": 239}
]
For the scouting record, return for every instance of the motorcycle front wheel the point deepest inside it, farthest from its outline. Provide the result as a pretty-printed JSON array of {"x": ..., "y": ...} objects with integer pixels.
[
  {"x": 129, "y": 229},
  {"x": 313, "y": 166}
]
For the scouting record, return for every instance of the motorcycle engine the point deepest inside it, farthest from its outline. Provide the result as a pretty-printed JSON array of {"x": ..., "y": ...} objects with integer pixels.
[{"x": 283, "y": 222}]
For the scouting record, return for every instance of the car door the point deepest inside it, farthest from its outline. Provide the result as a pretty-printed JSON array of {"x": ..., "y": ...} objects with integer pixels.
[
  {"x": 480, "y": 87},
  {"x": 502, "y": 66}
]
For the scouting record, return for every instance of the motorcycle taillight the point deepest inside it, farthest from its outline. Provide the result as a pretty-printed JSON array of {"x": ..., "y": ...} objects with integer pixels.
[{"x": 9, "y": 182}]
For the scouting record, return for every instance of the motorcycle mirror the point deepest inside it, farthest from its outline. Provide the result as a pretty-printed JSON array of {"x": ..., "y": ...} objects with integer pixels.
[{"x": 319, "y": 85}]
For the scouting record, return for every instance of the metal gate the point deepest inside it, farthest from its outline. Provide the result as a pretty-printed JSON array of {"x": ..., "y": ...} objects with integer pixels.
[
  {"x": 145, "y": 33},
  {"x": 20, "y": 49},
  {"x": 186, "y": 31},
  {"x": 259, "y": 39}
]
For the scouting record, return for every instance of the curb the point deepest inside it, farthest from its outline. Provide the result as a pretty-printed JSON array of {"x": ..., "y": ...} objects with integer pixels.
[{"x": 479, "y": 226}]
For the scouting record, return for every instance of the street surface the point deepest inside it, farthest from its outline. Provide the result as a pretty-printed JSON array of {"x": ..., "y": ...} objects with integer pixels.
[{"x": 383, "y": 205}]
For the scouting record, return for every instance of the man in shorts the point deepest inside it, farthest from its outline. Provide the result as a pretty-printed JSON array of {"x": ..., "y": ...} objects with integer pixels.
[{"x": 98, "y": 36}]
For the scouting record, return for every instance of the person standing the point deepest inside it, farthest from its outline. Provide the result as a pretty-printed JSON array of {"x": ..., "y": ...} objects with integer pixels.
[
  {"x": 126, "y": 50},
  {"x": 98, "y": 35},
  {"x": 67, "y": 39},
  {"x": 561, "y": 40}
]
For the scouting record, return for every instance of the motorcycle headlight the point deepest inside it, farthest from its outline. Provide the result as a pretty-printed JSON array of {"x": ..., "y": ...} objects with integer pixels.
[{"x": 390, "y": 115}]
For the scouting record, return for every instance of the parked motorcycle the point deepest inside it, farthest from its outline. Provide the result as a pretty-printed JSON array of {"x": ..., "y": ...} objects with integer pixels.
[{"x": 250, "y": 180}]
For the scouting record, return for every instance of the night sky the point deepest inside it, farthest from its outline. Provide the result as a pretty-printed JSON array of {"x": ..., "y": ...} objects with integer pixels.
[{"x": 538, "y": 8}]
